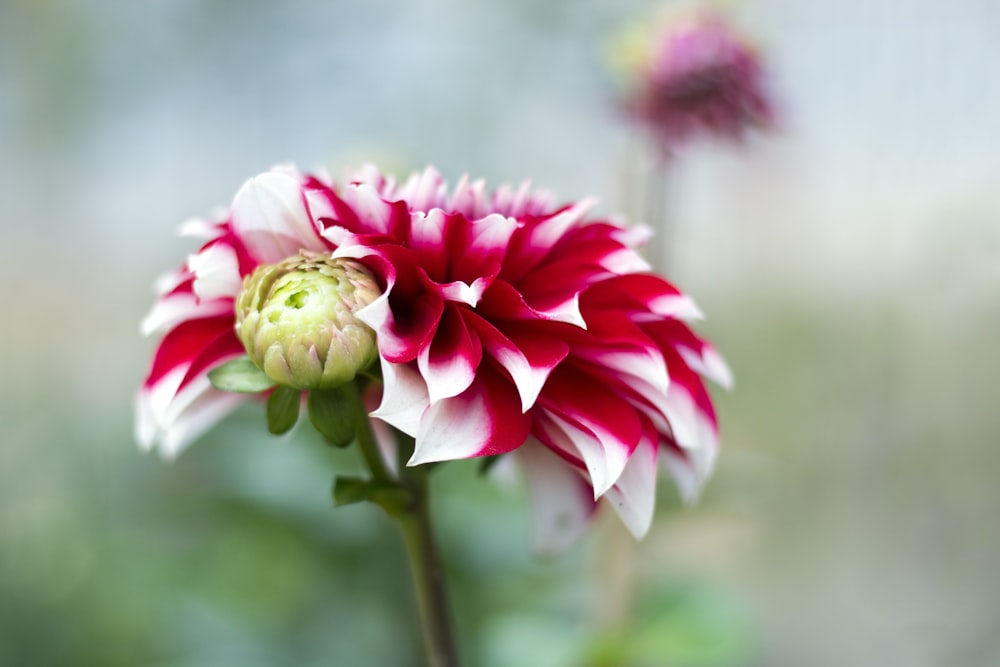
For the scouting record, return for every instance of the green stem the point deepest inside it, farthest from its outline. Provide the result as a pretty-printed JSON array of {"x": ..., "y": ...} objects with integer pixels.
[
  {"x": 369, "y": 448},
  {"x": 428, "y": 574},
  {"x": 415, "y": 521}
]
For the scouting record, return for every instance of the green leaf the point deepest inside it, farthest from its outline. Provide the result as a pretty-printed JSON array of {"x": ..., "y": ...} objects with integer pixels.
[
  {"x": 283, "y": 409},
  {"x": 334, "y": 413},
  {"x": 350, "y": 490},
  {"x": 240, "y": 375},
  {"x": 390, "y": 497}
]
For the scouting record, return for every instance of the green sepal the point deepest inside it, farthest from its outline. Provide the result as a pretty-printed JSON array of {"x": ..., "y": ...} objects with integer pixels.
[
  {"x": 240, "y": 375},
  {"x": 392, "y": 498},
  {"x": 333, "y": 412},
  {"x": 283, "y": 409}
]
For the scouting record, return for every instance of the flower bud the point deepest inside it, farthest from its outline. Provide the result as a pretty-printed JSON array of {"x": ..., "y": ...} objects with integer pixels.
[{"x": 296, "y": 320}]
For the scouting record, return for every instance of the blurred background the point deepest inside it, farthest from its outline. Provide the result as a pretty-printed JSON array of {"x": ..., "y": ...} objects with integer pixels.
[{"x": 847, "y": 263}]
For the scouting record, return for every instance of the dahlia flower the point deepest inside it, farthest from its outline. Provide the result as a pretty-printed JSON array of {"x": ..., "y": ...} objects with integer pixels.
[
  {"x": 698, "y": 78},
  {"x": 504, "y": 324}
]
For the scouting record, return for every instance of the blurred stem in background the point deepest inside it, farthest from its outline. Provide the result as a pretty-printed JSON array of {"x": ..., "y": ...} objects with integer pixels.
[{"x": 656, "y": 215}]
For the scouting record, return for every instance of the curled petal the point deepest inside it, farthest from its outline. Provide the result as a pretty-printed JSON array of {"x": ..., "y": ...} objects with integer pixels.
[
  {"x": 533, "y": 242},
  {"x": 577, "y": 399},
  {"x": 503, "y": 302},
  {"x": 528, "y": 356},
  {"x": 484, "y": 420},
  {"x": 270, "y": 214},
  {"x": 448, "y": 364},
  {"x": 581, "y": 446},
  {"x": 405, "y": 317},
  {"x": 217, "y": 272},
  {"x": 404, "y": 397}
]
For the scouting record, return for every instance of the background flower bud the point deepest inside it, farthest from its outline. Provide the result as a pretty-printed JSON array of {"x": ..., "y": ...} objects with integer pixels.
[{"x": 296, "y": 320}]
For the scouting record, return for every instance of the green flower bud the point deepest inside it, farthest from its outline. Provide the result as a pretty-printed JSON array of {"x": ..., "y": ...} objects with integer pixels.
[{"x": 296, "y": 320}]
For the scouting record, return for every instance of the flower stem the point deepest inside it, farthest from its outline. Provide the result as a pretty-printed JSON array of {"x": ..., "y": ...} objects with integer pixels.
[
  {"x": 428, "y": 573},
  {"x": 369, "y": 448},
  {"x": 415, "y": 522}
]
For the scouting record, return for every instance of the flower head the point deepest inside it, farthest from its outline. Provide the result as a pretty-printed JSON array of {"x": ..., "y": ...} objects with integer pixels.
[
  {"x": 504, "y": 324},
  {"x": 698, "y": 77}
]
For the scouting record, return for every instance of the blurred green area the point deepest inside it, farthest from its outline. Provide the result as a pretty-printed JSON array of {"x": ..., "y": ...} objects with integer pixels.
[{"x": 849, "y": 277}]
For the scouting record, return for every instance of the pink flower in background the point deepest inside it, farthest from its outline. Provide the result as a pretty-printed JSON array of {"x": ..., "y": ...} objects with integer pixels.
[
  {"x": 699, "y": 78},
  {"x": 506, "y": 325}
]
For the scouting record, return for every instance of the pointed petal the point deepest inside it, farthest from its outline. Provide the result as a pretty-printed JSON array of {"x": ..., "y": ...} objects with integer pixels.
[
  {"x": 449, "y": 363},
  {"x": 683, "y": 473},
  {"x": 169, "y": 420},
  {"x": 481, "y": 243},
  {"x": 579, "y": 444},
  {"x": 217, "y": 272},
  {"x": 271, "y": 216},
  {"x": 179, "y": 307},
  {"x": 561, "y": 499},
  {"x": 633, "y": 497},
  {"x": 527, "y": 355},
  {"x": 404, "y": 397},
  {"x": 534, "y": 242},
  {"x": 482, "y": 421},
  {"x": 503, "y": 301},
  {"x": 708, "y": 363},
  {"x": 643, "y": 296},
  {"x": 586, "y": 412},
  {"x": 555, "y": 290}
]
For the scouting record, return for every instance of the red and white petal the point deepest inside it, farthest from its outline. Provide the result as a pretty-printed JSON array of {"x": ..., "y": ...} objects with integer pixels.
[
  {"x": 503, "y": 301},
  {"x": 535, "y": 242},
  {"x": 633, "y": 497},
  {"x": 560, "y": 497},
  {"x": 404, "y": 397},
  {"x": 448, "y": 364},
  {"x": 484, "y": 420},
  {"x": 374, "y": 213},
  {"x": 645, "y": 297},
  {"x": 170, "y": 419},
  {"x": 179, "y": 307},
  {"x": 271, "y": 216},
  {"x": 427, "y": 232},
  {"x": 574, "y": 440},
  {"x": 693, "y": 430},
  {"x": 469, "y": 199},
  {"x": 554, "y": 291},
  {"x": 633, "y": 236},
  {"x": 614, "y": 345},
  {"x": 528, "y": 356},
  {"x": 171, "y": 281},
  {"x": 680, "y": 468},
  {"x": 200, "y": 228},
  {"x": 216, "y": 270},
  {"x": 483, "y": 242},
  {"x": 424, "y": 190},
  {"x": 708, "y": 363},
  {"x": 578, "y": 399},
  {"x": 404, "y": 316},
  {"x": 461, "y": 292}
]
